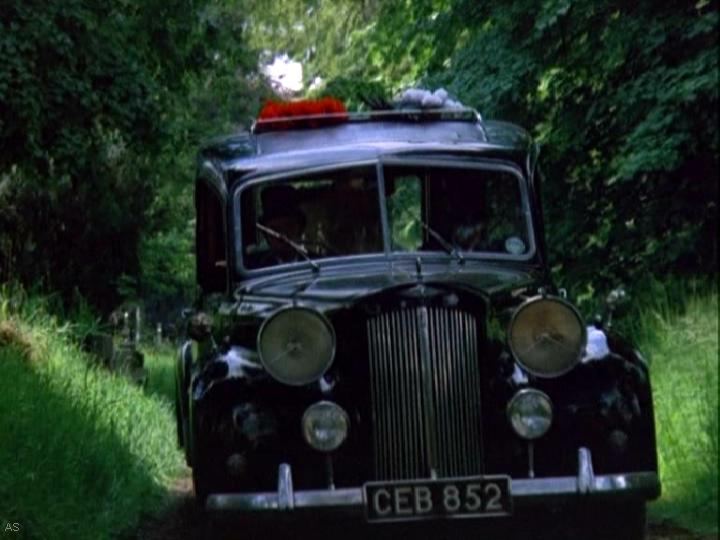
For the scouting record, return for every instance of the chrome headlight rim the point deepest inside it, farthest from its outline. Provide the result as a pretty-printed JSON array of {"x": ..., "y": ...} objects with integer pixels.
[
  {"x": 328, "y": 326},
  {"x": 521, "y": 394},
  {"x": 583, "y": 334},
  {"x": 335, "y": 408}
]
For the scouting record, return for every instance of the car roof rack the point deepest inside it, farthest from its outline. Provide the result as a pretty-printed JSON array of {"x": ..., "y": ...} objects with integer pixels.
[{"x": 283, "y": 123}]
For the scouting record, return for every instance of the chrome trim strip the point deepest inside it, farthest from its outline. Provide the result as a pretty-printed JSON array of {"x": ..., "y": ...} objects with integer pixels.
[
  {"x": 644, "y": 485},
  {"x": 427, "y": 385},
  {"x": 285, "y": 495},
  {"x": 352, "y": 497},
  {"x": 405, "y": 393},
  {"x": 415, "y": 376},
  {"x": 476, "y": 434},
  {"x": 586, "y": 474},
  {"x": 373, "y": 388}
]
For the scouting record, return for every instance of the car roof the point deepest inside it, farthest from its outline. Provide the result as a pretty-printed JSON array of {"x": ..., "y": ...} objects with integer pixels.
[{"x": 274, "y": 147}]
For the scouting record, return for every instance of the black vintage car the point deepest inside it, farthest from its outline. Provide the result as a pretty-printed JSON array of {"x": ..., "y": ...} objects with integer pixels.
[{"x": 377, "y": 335}]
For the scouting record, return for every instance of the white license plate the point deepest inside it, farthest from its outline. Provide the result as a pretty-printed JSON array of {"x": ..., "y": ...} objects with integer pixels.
[{"x": 454, "y": 497}]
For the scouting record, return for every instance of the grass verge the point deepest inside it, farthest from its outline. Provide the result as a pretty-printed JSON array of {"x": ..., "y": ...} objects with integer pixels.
[
  {"x": 682, "y": 346},
  {"x": 85, "y": 453},
  {"x": 160, "y": 365}
]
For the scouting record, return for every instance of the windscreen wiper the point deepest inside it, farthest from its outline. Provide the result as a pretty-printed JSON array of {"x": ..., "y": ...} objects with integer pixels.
[
  {"x": 297, "y": 248},
  {"x": 452, "y": 251}
]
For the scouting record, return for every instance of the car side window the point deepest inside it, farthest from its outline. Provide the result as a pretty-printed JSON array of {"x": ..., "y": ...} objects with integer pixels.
[{"x": 210, "y": 234}]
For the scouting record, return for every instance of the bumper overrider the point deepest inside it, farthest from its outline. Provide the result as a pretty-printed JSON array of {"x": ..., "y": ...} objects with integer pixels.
[{"x": 524, "y": 492}]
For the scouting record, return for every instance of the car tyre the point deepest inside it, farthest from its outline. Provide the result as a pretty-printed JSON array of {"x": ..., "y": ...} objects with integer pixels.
[
  {"x": 201, "y": 484},
  {"x": 207, "y": 475},
  {"x": 179, "y": 421}
]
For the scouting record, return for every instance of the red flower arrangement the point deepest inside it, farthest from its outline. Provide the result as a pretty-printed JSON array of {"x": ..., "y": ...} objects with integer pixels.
[{"x": 310, "y": 113}]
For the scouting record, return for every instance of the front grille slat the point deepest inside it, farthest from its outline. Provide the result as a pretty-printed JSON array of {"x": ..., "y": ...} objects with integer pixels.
[
  {"x": 470, "y": 416},
  {"x": 391, "y": 419},
  {"x": 445, "y": 393},
  {"x": 456, "y": 419},
  {"x": 401, "y": 382},
  {"x": 474, "y": 381},
  {"x": 452, "y": 395},
  {"x": 459, "y": 409},
  {"x": 414, "y": 375},
  {"x": 374, "y": 393},
  {"x": 404, "y": 368},
  {"x": 425, "y": 393},
  {"x": 463, "y": 388},
  {"x": 411, "y": 394},
  {"x": 466, "y": 425},
  {"x": 393, "y": 424}
]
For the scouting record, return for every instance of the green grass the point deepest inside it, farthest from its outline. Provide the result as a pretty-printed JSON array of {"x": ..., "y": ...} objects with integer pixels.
[
  {"x": 84, "y": 453},
  {"x": 160, "y": 365},
  {"x": 681, "y": 342}
]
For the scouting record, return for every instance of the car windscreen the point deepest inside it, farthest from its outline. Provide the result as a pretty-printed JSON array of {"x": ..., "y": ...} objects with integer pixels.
[
  {"x": 465, "y": 209},
  {"x": 312, "y": 216}
]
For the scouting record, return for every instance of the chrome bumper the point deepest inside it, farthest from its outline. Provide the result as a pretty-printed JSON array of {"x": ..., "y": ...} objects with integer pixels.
[{"x": 525, "y": 491}]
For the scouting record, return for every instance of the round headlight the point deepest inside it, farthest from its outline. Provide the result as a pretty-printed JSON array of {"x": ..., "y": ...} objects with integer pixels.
[
  {"x": 530, "y": 413},
  {"x": 325, "y": 426},
  {"x": 296, "y": 345},
  {"x": 547, "y": 336}
]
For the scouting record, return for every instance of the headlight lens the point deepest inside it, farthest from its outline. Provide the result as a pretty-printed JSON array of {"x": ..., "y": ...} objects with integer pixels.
[
  {"x": 296, "y": 345},
  {"x": 325, "y": 426},
  {"x": 547, "y": 336},
  {"x": 530, "y": 413}
]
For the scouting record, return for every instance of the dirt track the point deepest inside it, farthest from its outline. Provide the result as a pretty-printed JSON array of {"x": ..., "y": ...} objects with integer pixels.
[{"x": 183, "y": 521}]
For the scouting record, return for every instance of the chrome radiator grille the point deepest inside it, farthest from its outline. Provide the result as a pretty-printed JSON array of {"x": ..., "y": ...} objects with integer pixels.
[{"x": 425, "y": 393}]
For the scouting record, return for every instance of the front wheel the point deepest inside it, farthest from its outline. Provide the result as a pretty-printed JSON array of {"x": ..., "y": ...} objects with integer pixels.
[
  {"x": 207, "y": 477},
  {"x": 209, "y": 474},
  {"x": 202, "y": 483},
  {"x": 204, "y": 474}
]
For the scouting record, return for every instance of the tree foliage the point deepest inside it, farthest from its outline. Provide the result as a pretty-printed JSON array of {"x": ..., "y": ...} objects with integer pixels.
[
  {"x": 623, "y": 99},
  {"x": 318, "y": 33},
  {"x": 102, "y": 106}
]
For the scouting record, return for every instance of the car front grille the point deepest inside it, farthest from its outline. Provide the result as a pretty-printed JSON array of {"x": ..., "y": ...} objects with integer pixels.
[{"x": 425, "y": 393}]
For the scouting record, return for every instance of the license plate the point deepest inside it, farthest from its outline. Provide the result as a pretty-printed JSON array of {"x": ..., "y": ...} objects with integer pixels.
[{"x": 455, "y": 497}]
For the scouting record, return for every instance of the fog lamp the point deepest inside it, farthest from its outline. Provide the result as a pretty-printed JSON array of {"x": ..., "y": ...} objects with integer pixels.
[
  {"x": 325, "y": 426},
  {"x": 530, "y": 413}
]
